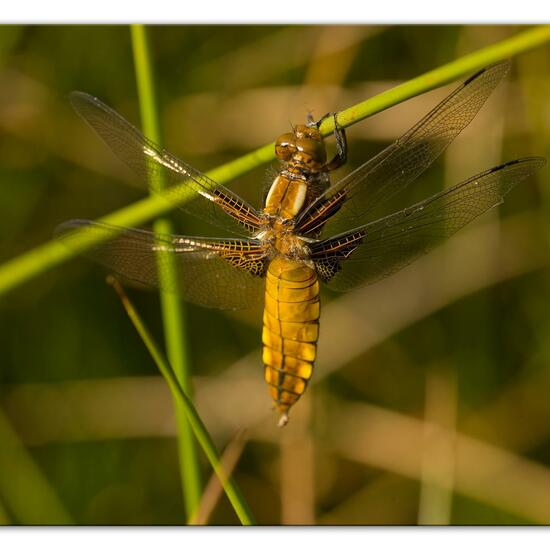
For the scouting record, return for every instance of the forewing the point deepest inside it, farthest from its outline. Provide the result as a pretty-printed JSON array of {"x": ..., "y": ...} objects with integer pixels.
[
  {"x": 383, "y": 247},
  {"x": 224, "y": 273},
  {"x": 391, "y": 171},
  {"x": 159, "y": 170}
]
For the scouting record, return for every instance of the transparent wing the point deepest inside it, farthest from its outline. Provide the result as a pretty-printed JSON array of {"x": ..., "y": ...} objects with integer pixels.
[
  {"x": 225, "y": 273},
  {"x": 159, "y": 170},
  {"x": 351, "y": 200},
  {"x": 383, "y": 247}
]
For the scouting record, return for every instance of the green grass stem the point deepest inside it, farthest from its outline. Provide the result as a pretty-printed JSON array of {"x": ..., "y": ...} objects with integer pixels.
[
  {"x": 230, "y": 487},
  {"x": 173, "y": 312},
  {"x": 37, "y": 261},
  {"x": 444, "y": 74},
  {"x": 27, "y": 495}
]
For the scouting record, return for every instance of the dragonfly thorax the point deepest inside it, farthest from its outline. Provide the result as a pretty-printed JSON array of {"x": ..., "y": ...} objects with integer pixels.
[
  {"x": 292, "y": 246},
  {"x": 279, "y": 235},
  {"x": 303, "y": 177}
]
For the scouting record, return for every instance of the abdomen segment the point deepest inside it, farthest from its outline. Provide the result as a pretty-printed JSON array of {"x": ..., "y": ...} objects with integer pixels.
[{"x": 291, "y": 330}]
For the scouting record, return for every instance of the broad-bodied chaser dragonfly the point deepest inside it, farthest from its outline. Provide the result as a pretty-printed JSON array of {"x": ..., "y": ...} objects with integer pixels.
[{"x": 308, "y": 231}]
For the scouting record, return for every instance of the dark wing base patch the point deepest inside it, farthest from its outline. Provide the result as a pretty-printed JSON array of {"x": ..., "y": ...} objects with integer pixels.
[
  {"x": 329, "y": 254},
  {"x": 240, "y": 253}
]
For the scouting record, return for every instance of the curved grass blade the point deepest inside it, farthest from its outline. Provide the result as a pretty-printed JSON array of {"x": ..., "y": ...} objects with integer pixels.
[{"x": 230, "y": 487}]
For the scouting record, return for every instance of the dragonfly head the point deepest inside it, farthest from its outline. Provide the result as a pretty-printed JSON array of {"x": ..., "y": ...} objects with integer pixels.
[{"x": 303, "y": 145}]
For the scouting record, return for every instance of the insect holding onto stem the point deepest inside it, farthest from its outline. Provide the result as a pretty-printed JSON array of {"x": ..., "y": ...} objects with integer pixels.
[{"x": 308, "y": 231}]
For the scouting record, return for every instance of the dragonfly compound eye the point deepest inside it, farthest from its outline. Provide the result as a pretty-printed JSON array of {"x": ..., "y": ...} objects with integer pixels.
[
  {"x": 303, "y": 131},
  {"x": 285, "y": 146},
  {"x": 313, "y": 151}
]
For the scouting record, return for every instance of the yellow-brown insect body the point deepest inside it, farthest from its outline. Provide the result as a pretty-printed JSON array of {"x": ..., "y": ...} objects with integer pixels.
[
  {"x": 292, "y": 307},
  {"x": 291, "y": 330}
]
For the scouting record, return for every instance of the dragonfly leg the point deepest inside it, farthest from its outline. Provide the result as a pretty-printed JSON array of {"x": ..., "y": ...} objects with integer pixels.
[
  {"x": 341, "y": 155},
  {"x": 317, "y": 123}
]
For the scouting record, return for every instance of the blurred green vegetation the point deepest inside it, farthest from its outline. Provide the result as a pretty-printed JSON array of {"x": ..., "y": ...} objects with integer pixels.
[{"x": 458, "y": 340}]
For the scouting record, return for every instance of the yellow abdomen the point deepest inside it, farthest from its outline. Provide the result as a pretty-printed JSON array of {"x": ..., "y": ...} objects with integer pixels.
[{"x": 291, "y": 330}]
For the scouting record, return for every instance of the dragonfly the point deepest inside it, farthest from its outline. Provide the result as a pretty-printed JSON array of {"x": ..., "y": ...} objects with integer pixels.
[{"x": 308, "y": 230}]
